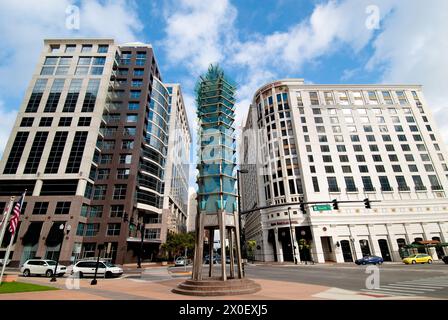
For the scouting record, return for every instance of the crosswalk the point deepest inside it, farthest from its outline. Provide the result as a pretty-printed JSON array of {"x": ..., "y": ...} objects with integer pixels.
[{"x": 418, "y": 287}]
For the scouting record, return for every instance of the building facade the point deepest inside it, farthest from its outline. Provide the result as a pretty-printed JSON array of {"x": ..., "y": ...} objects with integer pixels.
[
  {"x": 91, "y": 145},
  {"x": 345, "y": 142}
]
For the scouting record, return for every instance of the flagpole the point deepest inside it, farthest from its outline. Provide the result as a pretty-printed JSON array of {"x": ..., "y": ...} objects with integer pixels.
[
  {"x": 5, "y": 222},
  {"x": 6, "y": 257}
]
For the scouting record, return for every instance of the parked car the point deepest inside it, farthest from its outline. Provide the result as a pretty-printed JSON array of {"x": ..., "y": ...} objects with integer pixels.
[
  {"x": 182, "y": 261},
  {"x": 7, "y": 262},
  {"x": 105, "y": 269},
  {"x": 42, "y": 267},
  {"x": 445, "y": 259},
  {"x": 369, "y": 260},
  {"x": 418, "y": 258},
  {"x": 216, "y": 259}
]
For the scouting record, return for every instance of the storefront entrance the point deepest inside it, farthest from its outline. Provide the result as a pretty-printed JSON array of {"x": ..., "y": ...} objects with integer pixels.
[
  {"x": 346, "y": 251},
  {"x": 384, "y": 248}
]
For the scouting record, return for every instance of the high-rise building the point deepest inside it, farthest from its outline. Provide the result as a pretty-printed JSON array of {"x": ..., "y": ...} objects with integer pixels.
[
  {"x": 96, "y": 145},
  {"x": 312, "y": 143},
  {"x": 192, "y": 212}
]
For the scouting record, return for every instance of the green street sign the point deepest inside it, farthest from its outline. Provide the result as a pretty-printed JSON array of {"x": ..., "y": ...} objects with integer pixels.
[{"x": 322, "y": 207}]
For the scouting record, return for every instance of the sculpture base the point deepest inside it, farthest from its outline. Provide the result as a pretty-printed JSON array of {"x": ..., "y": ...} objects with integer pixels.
[{"x": 217, "y": 287}]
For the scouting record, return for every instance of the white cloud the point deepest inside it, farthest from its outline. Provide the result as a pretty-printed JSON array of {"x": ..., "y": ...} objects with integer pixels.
[{"x": 197, "y": 32}]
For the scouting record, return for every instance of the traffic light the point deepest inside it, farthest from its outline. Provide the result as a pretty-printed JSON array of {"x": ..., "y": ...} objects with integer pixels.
[
  {"x": 335, "y": 204},
  {"x": 302, "y": 207},
  {"x": 367, "y": 203}
]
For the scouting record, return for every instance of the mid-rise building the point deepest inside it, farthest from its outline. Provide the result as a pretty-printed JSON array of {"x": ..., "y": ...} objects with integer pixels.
[
  {"x": 313, "y": 142},
  {"x": 95, "y": 144}
]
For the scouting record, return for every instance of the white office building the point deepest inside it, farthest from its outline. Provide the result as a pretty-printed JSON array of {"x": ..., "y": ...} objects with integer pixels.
[{"x": 345, "y": 142}]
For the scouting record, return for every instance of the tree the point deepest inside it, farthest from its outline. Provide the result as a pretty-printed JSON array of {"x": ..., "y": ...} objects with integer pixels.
[
  {"x": 177, "y": 242},
  {"x": 251, "y": 244}
]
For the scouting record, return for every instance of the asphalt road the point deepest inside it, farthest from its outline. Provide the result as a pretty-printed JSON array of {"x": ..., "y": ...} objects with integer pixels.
[{"x": 394, "y": 279}]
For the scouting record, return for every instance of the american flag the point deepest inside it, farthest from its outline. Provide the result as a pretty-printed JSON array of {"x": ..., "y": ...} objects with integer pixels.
[{"x": 15, "y": 215}]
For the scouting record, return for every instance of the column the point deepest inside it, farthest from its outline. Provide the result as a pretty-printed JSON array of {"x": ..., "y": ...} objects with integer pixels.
[
  {"x": 81, "y": 187},
  {"x": 295, "y": 244},
  {"x": 431, "y": 251},
  {"x": 443, "y": 236},
  {"x": 356, "y": 247},
  {"x": 394, "y": 250},
  {"x": 373, "y": 242},
  {"x": 232, "y": 264},
  {"x": 318, "y": 253},
  {"x": 267, "y": 248},
  {"x": 238, "y": 247},
  {"x": 37, "y": 188},
  {"x": 222, "y": 235},
  {"x": 278, "y": 246},
  {"x": 211, "y": 241},
  {"x": 337, "y": 250}
]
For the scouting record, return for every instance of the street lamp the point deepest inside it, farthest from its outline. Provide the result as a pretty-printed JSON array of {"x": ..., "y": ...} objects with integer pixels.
[
  {"x": 293, "y": 247},
  {"x": 100, "y": 248},
  {"x": 64, "y": 232},
  {"x": 242, "y": 244}
]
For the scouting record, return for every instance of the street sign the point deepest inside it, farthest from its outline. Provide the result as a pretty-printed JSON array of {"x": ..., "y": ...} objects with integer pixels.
[{"x": 322, "y": 207}]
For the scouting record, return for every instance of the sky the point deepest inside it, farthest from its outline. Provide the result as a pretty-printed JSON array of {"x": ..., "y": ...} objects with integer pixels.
[{"x": 255, "y": 41}]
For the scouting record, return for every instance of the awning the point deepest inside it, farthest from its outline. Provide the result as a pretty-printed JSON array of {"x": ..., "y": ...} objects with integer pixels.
[
  {"x": 32, "y": 235},
  {"x": 55, "y": 235}
]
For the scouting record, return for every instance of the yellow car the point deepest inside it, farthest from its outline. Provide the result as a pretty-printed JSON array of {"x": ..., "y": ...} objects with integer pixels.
[{"x": 418, "y": 258}]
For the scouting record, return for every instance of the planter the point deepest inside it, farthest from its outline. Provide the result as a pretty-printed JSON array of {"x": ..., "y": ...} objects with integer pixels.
[{"x": 10, "y": 277}]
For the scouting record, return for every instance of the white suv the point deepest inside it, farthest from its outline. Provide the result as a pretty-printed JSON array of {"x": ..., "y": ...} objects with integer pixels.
[
  {"x": 41, "y": 267},
  {"x": 105, "y": 269}
]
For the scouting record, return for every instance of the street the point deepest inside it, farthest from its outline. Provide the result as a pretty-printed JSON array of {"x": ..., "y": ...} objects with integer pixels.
[{"x": 286, "y": 281}]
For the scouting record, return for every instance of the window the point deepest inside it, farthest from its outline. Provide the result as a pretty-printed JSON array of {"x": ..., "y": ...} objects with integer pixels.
[
  {"x": 35, "y": 155},
  {"x": 62, "y": 207},
  {"x": 36, "y": 95},
  {"x": 314, "y": 98},
  {"x": 72, "y": 95},
  {"x": 384, "y": 182},
  {"x": 140, "y": 58},
  {"x": 373, "y": 98},
  {"x": 350, "y": 184},
  {"x": 357, "y": 148},
  {"x": 99, "y": 192},
  {"x": 129, "y": 131},
  {"x": 84, "y": 121},
  {"x": 315, "y": 184},
  {"x": 387, "y": 97},
  {"x": 86, "y": 48},
  {"x": 434, "y": 181},
  {"x": 137, "y": 83},
  {"x": 26, "y": 122},
  {"x": 360, "y": 158},
  {"x": 116, "y": 211},
  {"x": 138, "y": 72},
  {"x": 133, "y": 106},
  {"x": 363, "y": 169},
  {"x": 357, "y": 96},
  {"x": 127, "y": 144},
  {"x": 92, "y": 229},
  {"x": 418, "y": 183},
  {"x": 103, "y": 48},
  {"x": 120, "y": 192},
  {"x": 332, "y": 184},
  {"x": 346, "y": 169},
  {"x": 70, "y": 48},
  {"x": 76, "y": 152},
  {"x": 123, "y": 173},
  {"x": 57, "y": 149},
  {"x": 113, "y": 229},
  {"x": 152, "y": 233},
  {"x": 65, "y": 122},
  {"x": 103, "y": 174},
  {"x": 401, "y": 97},
  {"x": 376, "y": 158},
  {"x": 341, "y": 148},
  {"x": 131, "y": 118},
  {"x": 54, "y": 48},
  {"x": 80, "y": 229},
  {"x": 90, "y": 97},
  {"x": 373, "y": 148},
  {"x": 343, "y": 98},
  {"x": 40, "y": 208},
  {"x": 329, "y": 100},
  {"x": 402, "y": 184},
  {"x": 45, "y": 122},
  {"x": 367, "y": 183},
  {"x": 343, "y": 158},
  {"x": 96, "y": 211}
]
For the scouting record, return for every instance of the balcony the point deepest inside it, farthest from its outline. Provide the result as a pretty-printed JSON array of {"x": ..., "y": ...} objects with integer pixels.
[
  {"x": 351, "y": 189},
  {"x": 370, "y": 189},
  {"x": 437, "y": 188},
  {"x": 404, "y": 189},
  {"x": 420, "y": 188},
  {"x": 334, "y": 190},
  {"x": 387, "y": 189}
]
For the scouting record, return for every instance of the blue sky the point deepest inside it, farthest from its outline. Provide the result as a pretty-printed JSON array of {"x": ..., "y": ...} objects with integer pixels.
[{"x": 322, "y": 41}]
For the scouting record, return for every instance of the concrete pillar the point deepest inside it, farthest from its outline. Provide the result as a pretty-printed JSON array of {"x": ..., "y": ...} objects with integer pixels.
[
  {"x": 357, "y": 248},
  {"x": 81, "y": 187},
  {"x": 431, "y": 251},
  {"x": 316, "y": 246},
  {"x": 222, "y": 237},
  {"x": 37, "y": 188},
  {"x": 211, "y": 241},
  {"x": 232, "y": 263},
  {"x": 393, "y": 245},
  {"x": 238, "y": 246},
  {"x": 295, "y": 244},
  {"x": 338, "y": 250},
  {"x": 278, "y": 246},
  {"x": 373, "y": 242},
  {"x": 267, "y": 248}
]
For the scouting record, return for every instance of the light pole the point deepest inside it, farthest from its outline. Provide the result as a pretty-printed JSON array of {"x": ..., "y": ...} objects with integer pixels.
[
  {"x": 293, "y": 247},
  {"x": 242, "y": 244},
  {"x": 64, "y": 232},
  {"x": 140, "y": 254},
  {"x": 303, "y": 233},
  {"x": 100, "y": 248}
]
